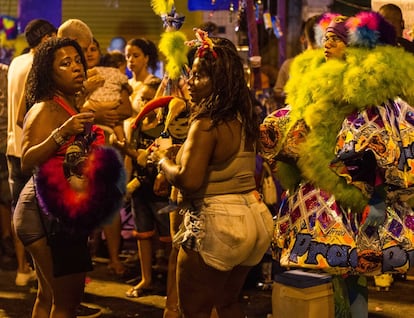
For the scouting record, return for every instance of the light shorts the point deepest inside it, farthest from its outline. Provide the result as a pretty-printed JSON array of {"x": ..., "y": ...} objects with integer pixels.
[
  {"x": 228, "y": 230},
  {"x": 26, "y": 217}
]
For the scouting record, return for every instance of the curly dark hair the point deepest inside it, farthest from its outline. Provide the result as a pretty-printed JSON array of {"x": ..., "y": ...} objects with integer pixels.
[
  {"x": 149, "y": 49},
  {"x": 40, "y": 84},
  {"x": 230, "y": 93}
]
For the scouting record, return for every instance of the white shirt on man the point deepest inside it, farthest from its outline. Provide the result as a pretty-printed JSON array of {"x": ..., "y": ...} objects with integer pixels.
[{"x": 18, "y": 71}]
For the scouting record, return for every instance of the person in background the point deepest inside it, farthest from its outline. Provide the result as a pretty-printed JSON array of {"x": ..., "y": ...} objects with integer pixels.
[
  {"x": 393, "y": 14},
  {"x": 142, "y": 58},
  {"x": 308, "y": 42},
  {"x": 93, "y": 54},
  {"x": 118, "y": 44},
  {"x": 7, "y": 250},
  {"x": 214, "y": 173},
  {"x": 76, "y": 30},
  {"x": 36, "y": 32}
]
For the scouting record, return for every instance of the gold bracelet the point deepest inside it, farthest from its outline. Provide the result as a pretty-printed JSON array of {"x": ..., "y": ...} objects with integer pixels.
[{"x": 160, "y": 163}]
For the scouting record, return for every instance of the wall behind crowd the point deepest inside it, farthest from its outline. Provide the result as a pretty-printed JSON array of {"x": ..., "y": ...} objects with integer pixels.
[
  {"x": 110, "y": 18},
  {"x": 127, "y": 18}
]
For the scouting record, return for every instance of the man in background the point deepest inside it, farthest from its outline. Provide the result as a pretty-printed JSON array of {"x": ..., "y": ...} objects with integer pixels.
[
  {"x": 308, "y": 42},
  {"x": 7, "y": 250},
  {"x": 393, "y": 14},
  {"x": 36, "y": 32}
]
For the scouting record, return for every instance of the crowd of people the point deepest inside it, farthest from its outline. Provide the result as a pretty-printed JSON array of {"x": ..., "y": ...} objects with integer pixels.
[{"x": 82, "y": 144}]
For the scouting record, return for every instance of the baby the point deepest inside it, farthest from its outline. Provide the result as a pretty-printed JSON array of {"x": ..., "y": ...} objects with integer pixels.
[{"x": 112, "y": 69}]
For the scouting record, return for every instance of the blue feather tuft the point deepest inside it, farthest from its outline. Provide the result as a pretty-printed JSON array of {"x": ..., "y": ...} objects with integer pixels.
[{"x": 364, "y": 37}]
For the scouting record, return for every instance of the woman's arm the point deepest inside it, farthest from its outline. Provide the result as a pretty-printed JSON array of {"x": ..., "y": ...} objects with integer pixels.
[
  {"x": 43, "y": 137},
  {"x": 196, "y": 154}
]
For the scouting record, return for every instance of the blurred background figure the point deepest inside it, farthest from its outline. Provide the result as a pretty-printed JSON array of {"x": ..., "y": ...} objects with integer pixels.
[
  {"x": 36, "y": 32},
  {"x": 308, "y": 42},
  {"x": 393, "y": 15},
  {"x": 117, "y": 43},
  {"x": 152, "y": 228},
  {"x": 7, "y": 252},
  {"x": 112, "y": 231}
]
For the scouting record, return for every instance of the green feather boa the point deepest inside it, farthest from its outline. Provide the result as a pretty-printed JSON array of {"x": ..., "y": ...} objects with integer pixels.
[{"x": 323, "y": 93}]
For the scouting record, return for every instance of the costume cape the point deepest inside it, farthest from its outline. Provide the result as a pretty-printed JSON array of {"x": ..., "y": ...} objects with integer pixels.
[{"x": 323, "y": 93}]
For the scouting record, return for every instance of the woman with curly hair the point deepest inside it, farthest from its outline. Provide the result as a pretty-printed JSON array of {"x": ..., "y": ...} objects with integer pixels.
[
  {"x": 72, "y": 178},
  {"x": 227, "y": 228}
]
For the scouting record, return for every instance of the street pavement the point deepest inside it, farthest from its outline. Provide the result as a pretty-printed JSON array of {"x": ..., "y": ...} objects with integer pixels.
[{"x": 107, "y": 292}]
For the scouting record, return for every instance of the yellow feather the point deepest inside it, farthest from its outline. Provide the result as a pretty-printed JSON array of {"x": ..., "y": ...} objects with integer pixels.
[
  {"x": 175, "y": 51},
  {"x": 162, "y": 7}
]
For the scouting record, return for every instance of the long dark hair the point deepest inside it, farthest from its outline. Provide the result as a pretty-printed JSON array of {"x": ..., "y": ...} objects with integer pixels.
[
  {"x": 40, "y": 84},
  {"x": 230, "y": 94}
]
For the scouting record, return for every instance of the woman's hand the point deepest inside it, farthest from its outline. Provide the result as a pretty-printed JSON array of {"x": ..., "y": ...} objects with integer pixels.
[
  {"x": 77, "y": 124},
  {"x": 170, "y": 153},
  {"x": 107, "y": 114},
  {"x": 161, "y": 186}
]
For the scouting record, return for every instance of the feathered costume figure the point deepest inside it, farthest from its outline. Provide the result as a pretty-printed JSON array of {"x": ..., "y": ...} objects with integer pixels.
[
  {"x": 345, "y": 133},
  {"x": 322, "y": 94},
  {"x": 372, "y": 84}
]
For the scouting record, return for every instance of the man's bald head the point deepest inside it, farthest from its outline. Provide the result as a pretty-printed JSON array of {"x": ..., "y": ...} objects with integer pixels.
[{"x": 76, "y": 30}]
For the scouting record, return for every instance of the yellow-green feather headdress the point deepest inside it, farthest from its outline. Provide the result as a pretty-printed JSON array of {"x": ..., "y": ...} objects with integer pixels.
[{"x": 172, "y": 41}]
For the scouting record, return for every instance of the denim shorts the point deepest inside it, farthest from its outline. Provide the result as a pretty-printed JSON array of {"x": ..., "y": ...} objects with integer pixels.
[
  {"x": 17, "y": 179},
  {"x": 26, "y": 218},
  {"x": 148, "y": 220},
  {"x": 228, "y": 230}
]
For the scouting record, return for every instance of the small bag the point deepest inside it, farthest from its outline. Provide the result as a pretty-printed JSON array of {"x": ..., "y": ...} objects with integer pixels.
[
  {"x": 85, "y": 190},
  {"x": 269, "y": 189}
]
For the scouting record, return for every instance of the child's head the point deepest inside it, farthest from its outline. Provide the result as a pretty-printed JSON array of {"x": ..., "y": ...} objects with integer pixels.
[{"x": 114, "y": 59}]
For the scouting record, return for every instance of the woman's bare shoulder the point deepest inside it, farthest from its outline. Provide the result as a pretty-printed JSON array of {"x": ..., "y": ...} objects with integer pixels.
[{"x": 42, "y": 112}]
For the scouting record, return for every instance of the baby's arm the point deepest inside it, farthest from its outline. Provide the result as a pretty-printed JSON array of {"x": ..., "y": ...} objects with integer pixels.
[{"x": 124, "y": 109}]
